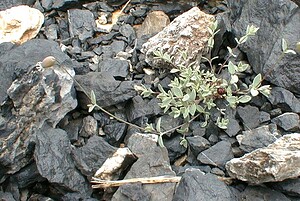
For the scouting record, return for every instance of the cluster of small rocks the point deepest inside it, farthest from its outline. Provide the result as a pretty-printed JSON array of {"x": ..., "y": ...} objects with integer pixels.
[{"x": 51, "y": 146}]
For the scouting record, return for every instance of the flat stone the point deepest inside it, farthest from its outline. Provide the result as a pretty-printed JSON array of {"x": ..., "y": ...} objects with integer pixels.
[
  {"x": 20, "y": 24},
  {"x": 261, "y": 193},
  {"x": 197, "y": 144},
  {"x": 284, "y": 99},
  {"x": 233, "y": 128},
  {"x": 89, "y": 127},
  {"x": 288, "y": 121},
  {"x": 54, "y": 162},
  {"x": 108, "y": 90},
  {"x": 152, "y": 161},
  {"x": 81, "y": 23},
  {"x": 249, "y": 115},
  {"x": 195, "y": 185},
  {"x": 217, "y": 155},
  {"x": 186, "y": 33},
  {"x": 127, "y": 31},
  {"x": 277, "y": 162},
  {"x": 289, "y": 186},
  {"x": 92, "y": 155},
  {"x": 115, "y": 132},
  {"x": 261, "y": 53},
  {"x": 253, "y": 139},
  {"x": 117, "y": 67},
  {"x": 155, "y": 22}
]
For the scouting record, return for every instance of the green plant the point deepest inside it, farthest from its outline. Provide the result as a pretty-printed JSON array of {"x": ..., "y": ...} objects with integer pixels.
[{"x": 194, "y": 91}]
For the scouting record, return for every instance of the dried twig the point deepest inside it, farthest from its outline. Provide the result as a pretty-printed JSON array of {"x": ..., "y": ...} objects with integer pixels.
[{"x": 99, "y": 183}]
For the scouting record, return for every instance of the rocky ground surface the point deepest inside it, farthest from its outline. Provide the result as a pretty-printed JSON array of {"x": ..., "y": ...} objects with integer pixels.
[{"x": 51, "y": 146}]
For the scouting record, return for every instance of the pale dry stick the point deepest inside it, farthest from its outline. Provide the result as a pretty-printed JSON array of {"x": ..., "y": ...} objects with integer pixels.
[{"x": 98, "y": 183}]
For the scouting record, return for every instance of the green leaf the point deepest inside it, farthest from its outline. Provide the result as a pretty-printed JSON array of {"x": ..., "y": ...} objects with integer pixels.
[
  {"x": 289, "y": 52},
  {"x": 231, "y": 52},
  {"x": 283, "y": 45},
  {"x": 265, "y": 90},
  {"x": 186, "y": 97},
  {"x": 185, "y": 112},
  {"x": 149, "y": 128},
  {"x": 234, "y": 79},
  {"x": 192, "y": 95},
  {"x": 200, "y": 109},
  {"x": 158, "y": 125},
  {"x": 160, "y": 141},
  {"x": 231, "y": 68},
  {"x": 193, "y": 109},
  {"x": 174, "y": 70},
  {"x": 244, "y": 99},
  {"x": 90, "y": 107},
  {"x": 183, "y": 142},
  {"x": 177, "y": 92},
  {"x": 242, "y": 67},
  {"x": 93, "y": 98},
  {"x": 298, "y": 47},
  {"x": 256, "y": 81},
  {"x": 254, "y": 92},
  {"x": 161, "y": 89},
  {"x": 243, "y": 39},
  {"x": 232, "y": 100}
]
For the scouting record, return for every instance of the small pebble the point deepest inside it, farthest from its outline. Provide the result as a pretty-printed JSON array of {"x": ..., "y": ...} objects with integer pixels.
[{"x": 48, "y": 62}]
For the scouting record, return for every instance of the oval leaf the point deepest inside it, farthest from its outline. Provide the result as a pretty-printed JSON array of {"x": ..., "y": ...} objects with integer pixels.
[
  {"x": 256, "y": 81},
  {"x": 244, "y": 99}
]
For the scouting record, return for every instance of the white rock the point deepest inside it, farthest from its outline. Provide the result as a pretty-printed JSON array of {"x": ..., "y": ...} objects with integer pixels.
[
  {"x": 20, "y": 24},
  {"x": 277, "y": 162},
  {"x": 186, "y": 33}
]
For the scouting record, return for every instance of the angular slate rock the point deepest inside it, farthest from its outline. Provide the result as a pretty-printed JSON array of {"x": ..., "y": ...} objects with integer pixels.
[
  {"x": 153, "y": 161},
  {"x": 256, "y": 138},
  {"x": 233, "y": 128},
  {"x": 262, "y": 194},
  {"x": 135, "y": 192},
  {"x": 6, "y": 196},
  {"x": 89, "y": 127},
  {"x": 117, "y": 67},
  {"x": 277, "y": 162},
  {"x": 108, "y": 91},
  {"x": 54, "y": 162},
  {"x": 197, "y": 144},
  {"x": 81, "y": 23},
  {"x": 115, "y": 132},
  {"x": 195, "y": 185},
  {"x": 288, "y": 121},
  {"x": 128, "y": 31},
  {"x": 6, "y": 4},
  {"x": 35, "y": 97},
  {"x": 279, "y": 19},
  {"x": 284, "y": 99},
  {"x": 249, "y": 115},
  {"x": 217, "y": 155},
  {"x": 175, "y": 150},
  {"x": 290, "y": 187},
  {"x": 92, "y": 155}
]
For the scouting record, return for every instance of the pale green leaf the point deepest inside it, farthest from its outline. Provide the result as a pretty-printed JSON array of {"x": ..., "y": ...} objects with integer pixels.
[
  {"x": 289, "y": 52},
  {"x": 177, "y": 92},
  {"x": 254, "y": 92},
  {"x": 174, "y": 70},
  {"x": 244, "y": 99},
  {"x": 234, "y": 79},
  {"x": 257, "y": 81},
  {"x": 193, "y": 109},
  {"x": 93, "y": 98},
  {"x": 186, "y": 97},
  {"x": 158, "y": 125},
  {"x": 183, "y": 142},
  {"x": 283, "y": 45},
  {"x": 160, "y": 141},
  {"x": 232, "y": 68}
]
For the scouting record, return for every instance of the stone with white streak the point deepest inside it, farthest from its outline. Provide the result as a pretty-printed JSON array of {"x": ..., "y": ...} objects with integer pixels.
[
  {"x": 20, "y": 24},
  {"x": 186, "y": 33},
  {"x": 277, "y": 162}
]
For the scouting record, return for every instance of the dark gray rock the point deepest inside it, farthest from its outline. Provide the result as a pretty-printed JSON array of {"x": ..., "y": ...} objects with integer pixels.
[
  {"x": 100, "y": 39},
  {"x": 260, "y": 193},
  {"x": 81, "y": 23},
  {"x": 175, "y": 150},
  {"x": 256, "y": 138},
  {"x": 89, "y": 127},
  {"x": 108, "y": 91},
  {"x": 153, "y": 161},
  {"x": 140, "y": 107},
  {"x": 134, "y": 192},
  {"x": 233, "y": 128},
  {"x": 27, "y": 176},
  {"x": 110, "y": 51},
  {"x": 197, "y": 144},
  {"x": 290, "y": 187},
  {"x": 279, "y": 19},
  {"x": 249, "y": 115},
  {"x": 217, "y": 155},
  {"x": 72, "y": 129},
  {"x": 16, "y": 60},
  {"x": 115, "y": 132},
  {"x": 35, "y": 97},
  {"x": 6, "y": 196},
  {"x": 54, "y": 162},
  {"x": 127, "y": 31},
  {"x": 116, "y": 67},
  {"x": 168, "y": 123},
  {"x": 284, "y": 99},
  {"x": 6, "y": 4},
  {"x": 196, "y": 128},
  {"x": 288, "y": 121},
  {"x": 89, "y": 158},
  {"x": 51, "y": 31},
  {"x": 195, "y": 185}
]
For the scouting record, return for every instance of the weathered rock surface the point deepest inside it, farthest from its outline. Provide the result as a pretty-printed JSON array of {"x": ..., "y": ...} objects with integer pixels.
[
  {"x": 290, "y": 186},
  {"x": 152, "y": 161},
  {"x": 250, "y": 116},
  {"x": 108, "y": 91},
  {"x": 284, "y": 99},
  {"x": 277, "y": 20},
  {"x": 262, "y": 194},
  {"x": 256, "y": 138},
  {"x": 288, "y": 121},
  {"x": 54, "y": 162},
  {"x": 217, "y": 155},
  {"x": 187, "y": 33},
  {"x": 34, "y": 98},
  {"x": 155, "y": 22},
  {"x": 6, "y": 4},
  {"x": 20, "y": 24},
  {"x": 277, "y": 162},
  {"x": 92, "y": 155},
  {"x": 116, "y": 67},
  {"x": 195, "y": 185},
  {"x": 81, "y": 23}
]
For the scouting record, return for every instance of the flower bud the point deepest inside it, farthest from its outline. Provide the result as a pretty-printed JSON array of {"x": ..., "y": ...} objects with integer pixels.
[{"x": 48, "y": 62}]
